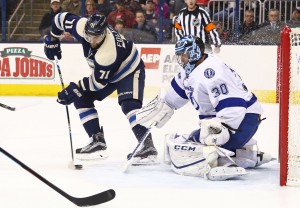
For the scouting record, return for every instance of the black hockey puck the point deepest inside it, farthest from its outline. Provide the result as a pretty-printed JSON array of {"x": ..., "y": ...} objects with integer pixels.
[
  {"x": 78, "y": 167},
  {"x": 73, "y": 166}
]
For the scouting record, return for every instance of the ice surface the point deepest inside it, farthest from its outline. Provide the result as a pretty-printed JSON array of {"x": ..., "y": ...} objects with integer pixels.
[{"x": 37, "y": 134}]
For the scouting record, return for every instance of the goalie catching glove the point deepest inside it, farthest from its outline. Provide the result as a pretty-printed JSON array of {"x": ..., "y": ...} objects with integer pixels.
[
  {"x": 157, "y": 111},
  {"x": 213, "y": 132}
]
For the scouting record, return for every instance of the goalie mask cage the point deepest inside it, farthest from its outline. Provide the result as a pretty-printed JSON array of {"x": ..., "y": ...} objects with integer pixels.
[{"x": 289, "y": 106}]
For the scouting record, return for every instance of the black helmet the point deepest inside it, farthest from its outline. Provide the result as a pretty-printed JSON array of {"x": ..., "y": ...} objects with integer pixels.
[{"x": 95, "y": 25}]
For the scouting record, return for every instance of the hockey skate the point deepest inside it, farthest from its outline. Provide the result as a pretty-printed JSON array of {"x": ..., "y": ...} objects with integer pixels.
[
  {"x": 95, "y": 150},
  {"x": 147, "y": 155}
]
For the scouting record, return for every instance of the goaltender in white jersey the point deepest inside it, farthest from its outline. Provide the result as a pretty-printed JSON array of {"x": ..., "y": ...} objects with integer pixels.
[{"x": 229, "y": 116}]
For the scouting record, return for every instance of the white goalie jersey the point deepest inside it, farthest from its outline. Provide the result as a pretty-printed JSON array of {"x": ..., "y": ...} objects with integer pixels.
[{"x": 214, "y": 89}]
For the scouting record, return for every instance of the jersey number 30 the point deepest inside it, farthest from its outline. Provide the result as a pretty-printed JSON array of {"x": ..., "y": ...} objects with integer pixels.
[{"x": 218, "y": 90}]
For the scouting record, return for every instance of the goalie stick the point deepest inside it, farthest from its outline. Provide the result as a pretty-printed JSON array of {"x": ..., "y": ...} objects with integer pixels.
[
  {"x": 71, "y": 165},
  {"x": 99, "y": 198},
  {"x": 7, "y": 107},
  {"x": 138, "y": 147}
]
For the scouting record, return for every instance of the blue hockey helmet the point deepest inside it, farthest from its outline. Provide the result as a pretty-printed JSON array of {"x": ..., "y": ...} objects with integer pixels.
[
  {"x": 95, "y": 26},
  {"x": 193, "y": 48}
]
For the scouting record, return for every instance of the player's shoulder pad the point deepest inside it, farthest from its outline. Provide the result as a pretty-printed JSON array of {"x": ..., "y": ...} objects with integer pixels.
[
  {"x": 59, "y": 20},
  {"x": 107, "y": 53},
  {"x": 80, "y": 26}
]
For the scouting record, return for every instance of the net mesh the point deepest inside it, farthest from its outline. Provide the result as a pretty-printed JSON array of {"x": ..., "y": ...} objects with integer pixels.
[{"x": 293, "y": 176}]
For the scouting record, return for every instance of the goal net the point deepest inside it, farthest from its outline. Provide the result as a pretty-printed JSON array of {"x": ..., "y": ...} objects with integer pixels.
[{"x": 289, "y": 102}]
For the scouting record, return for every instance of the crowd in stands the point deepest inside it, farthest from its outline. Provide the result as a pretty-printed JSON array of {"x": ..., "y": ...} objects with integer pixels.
[{"x": 139, "y": 20}]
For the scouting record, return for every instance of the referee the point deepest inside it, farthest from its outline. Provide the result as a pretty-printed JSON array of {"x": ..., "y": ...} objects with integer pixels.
[{"x": 193, "y": 20}]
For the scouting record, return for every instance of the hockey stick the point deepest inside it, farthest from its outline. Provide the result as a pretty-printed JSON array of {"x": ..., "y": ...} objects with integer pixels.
[
  {"x": 138, "y": 147},
  {"x": 7, "y": 107},
  {"x": 77, "y": 166},
  {"x": 99, "y": 198}
]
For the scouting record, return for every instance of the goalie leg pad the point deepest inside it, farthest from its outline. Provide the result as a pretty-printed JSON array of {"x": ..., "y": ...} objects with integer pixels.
[
  {"x": 157, "y": 111},
  {"x": 194, "y": 159},
  {"x": 251, "y": 158},
  {"x": 190, "y": 159}
]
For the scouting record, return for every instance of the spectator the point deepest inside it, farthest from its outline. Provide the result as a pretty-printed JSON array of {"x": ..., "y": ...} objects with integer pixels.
[
  {"x": 142, "y": 25},
  {"x": 224, "y": 35},
  {"x": 273, "y": 19},
  {"x": 104, "y": 7},
  {"x": 268, "y": 32},
  {"x": 132, "y": 5},
  {"x": 165, "y": 8},
  {"x": 72, "y": 6},
  {"x": 121, "y": 13},
  {"x": 149, "y": 11},
  {"x": 150, "y": 16},
  {"x": 248, "y": 25},
  {"x": 45, "y": 25},
  {"x": 90, "y": 8},
  {"x": 295, "y": 15},
  {"x": 119, "y": 27}
]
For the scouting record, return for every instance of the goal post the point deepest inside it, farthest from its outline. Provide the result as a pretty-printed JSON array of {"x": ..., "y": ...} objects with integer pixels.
[{"x": 289, "y": 106}]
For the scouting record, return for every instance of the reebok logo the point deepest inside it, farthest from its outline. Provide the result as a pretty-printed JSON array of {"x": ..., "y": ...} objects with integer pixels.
[
  {"x": 151, "y": 57},
  {"x": 77, "y": 93}
]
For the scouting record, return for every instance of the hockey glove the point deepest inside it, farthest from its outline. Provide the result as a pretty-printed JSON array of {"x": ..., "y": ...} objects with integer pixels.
[
  {"x": 52, "y": 48},
  {"x": 70, "y": 94}
]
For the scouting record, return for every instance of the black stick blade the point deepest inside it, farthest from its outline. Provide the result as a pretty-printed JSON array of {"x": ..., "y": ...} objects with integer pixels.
[
  {"x": 99, "y": 198},
  {"x": 7, "y": 107}
]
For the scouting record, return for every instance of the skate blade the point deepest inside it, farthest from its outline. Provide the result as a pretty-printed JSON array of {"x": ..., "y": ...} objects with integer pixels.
[
  {"x": 100, "y": 155},
  {"x": 151, "y": 160}
]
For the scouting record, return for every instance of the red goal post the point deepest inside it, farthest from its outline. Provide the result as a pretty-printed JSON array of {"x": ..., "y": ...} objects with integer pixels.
[{"x": 289, "y": 106}]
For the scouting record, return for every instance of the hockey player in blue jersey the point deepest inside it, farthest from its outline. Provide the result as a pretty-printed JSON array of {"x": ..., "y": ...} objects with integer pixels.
[
  {"x": 229, "y": 116},
  {"x": 115, "y": 65}
]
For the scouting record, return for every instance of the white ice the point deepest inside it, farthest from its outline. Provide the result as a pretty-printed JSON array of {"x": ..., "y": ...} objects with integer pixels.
[{"x": 37, "y": 134}]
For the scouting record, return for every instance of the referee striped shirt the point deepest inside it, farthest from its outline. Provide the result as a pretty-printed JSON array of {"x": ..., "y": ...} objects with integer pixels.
[{"x": 197, "y": 23}]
